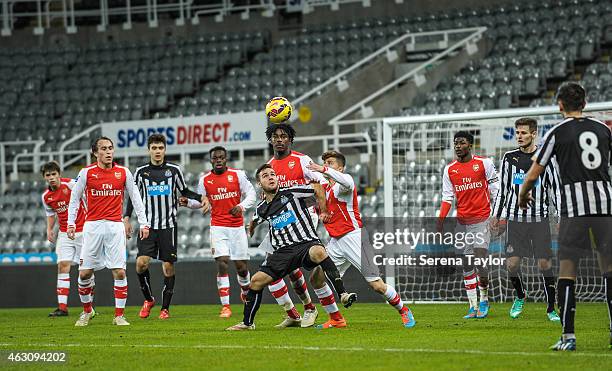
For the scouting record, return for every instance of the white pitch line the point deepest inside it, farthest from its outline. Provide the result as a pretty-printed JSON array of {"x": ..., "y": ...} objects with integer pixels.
[{"x": 314, "y": 348}]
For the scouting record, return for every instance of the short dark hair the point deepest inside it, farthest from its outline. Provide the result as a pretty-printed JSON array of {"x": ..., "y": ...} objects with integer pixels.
[
  {"x": 94, "y": 145},
  {"x": 527, "y": 121},
  {"x": 284, "y": 127},
  {"x": 335, "y": 154},
  {"x": 572, "y": 95},
  {"x": 50, "y": 167},
  {"x": 156, "y": 138},
  {"x": 217, "y": 148},
  {"x": 464, "y": 134},
  {"x": 262, "y": 168}
]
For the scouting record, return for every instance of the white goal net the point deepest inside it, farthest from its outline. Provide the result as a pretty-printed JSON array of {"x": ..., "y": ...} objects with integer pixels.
[{"x": 416, "y": 150}]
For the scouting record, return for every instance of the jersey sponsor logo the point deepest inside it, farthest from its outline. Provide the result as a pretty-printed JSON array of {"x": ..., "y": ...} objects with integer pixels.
[
  {"x": 107, "y": 190},
  {"x": 519, "y": 179},
  {"x": 223, "y": 194},
  {"x": 61, "y": 207},
  {"x": 468, "y": 186},
  {"x": 476, "y": 167},
  {"x": 291, "y": 164},
  {"x": 158, "y": 190},
  {"x": 168, "y": 173},
  {"x": 283, "y": 220}
]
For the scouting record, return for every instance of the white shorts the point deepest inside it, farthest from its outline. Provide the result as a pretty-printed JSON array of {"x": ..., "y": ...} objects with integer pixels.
[
  {"x": 229, "y": 241},
  {"x": 480, "y": 235},
  {"x": 68, "y": 250},
  {"x": 346, "y": 251},
  {"x": 104, "y": 245},
  {"x": 266, "y": 245}
]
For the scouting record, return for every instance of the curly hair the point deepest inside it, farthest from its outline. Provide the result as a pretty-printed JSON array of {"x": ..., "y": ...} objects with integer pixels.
[{"x": 288, "y": 129}]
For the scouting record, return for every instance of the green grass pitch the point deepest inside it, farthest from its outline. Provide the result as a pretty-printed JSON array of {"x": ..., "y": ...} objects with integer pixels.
[{"x": 194, "y": 338}]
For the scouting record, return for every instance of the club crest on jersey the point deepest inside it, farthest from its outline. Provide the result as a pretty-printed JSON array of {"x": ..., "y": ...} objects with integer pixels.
[
  {"x": 291, "y": 164},
  {"x": 65, "y": 191},
  {"x": 168, "y": 173},
  {"x": 230, "y": 178},
  {"x": 284, "y": 199},
  {"x": 117, "y": 175},
  {"x": 476, "y": 167}
]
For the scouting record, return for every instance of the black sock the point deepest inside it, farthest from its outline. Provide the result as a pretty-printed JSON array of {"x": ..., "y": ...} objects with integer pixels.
[
  {"x": 549, "y": 289},
  {"x": 331, "y": 271},
  {"x": 515, "y": 278},
  {"x": 168, "y": 291},
  {"x": 567, "y": 304},
  {"x": 251, "y": 306},
  {"x": 145, "y": 285},
  {"x": 608, "y": 284}
]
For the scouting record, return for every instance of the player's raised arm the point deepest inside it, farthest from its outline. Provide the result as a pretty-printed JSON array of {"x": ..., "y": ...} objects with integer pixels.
[
  {"x": 139, "y": 207},
  {"x": 344, "y": 180},
  {"x": 75, "y": 201}
]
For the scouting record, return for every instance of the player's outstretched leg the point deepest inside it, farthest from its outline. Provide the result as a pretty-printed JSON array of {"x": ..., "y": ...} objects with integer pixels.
[
  {"x": 301, "y": 289},
  {"x": 86, "y": 283},
  {"x": 280, "y": 292},
  {"x": 252, "y": 302},
  {"x": 392, "y": 297},
  {"x": 548, "y": 277},
  {"x": 327, "y": 300},
  {"x": 144, "y": 278},
  {"x": 318, "y": 256},
  {"x": 470, "y": 280}
]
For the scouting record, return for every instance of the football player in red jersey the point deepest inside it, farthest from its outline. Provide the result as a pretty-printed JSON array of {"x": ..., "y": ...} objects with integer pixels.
[
  {"x": 224, "y": 187},
  {"x": 472, "y": 181},
  {"x": 55, "y": 201},
  {"x": 104, "y": 234},
  {"x": 344, "y": 247}
]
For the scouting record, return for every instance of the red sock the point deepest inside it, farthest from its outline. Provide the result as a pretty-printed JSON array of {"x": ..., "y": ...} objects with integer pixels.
[
  {"x": 87, "y": 307},
  {"x": 309, "y": 306},
  {"x": 119, "y": 312},
  {"x": 336, "y": 316}
]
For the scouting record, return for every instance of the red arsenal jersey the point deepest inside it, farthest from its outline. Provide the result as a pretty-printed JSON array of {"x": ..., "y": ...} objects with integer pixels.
[
  {"x": 342, "y": 204},
  {"x": 104, "y": 192},
  {"x": 56, "y": 203},
  {"x": 292, "y": 170},
  {"x": 224, "y": 191},
  {"x": 470, "y": 184}
]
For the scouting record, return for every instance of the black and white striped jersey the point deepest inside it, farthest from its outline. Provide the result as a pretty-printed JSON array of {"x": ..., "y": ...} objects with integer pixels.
[
  {"x": 158, "y": 185},
  {"x": 582, "y": 147},
  {"x": 288, "y": 217},
  {"x": 514, "y": 166}
]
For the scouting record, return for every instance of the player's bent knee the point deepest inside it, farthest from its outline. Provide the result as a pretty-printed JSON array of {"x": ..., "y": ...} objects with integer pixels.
[
  {"x": 168, "y": 268},
  {"x": 119, "y": 273},
  {"x": 85, "y": 274},
  {"x": 317, "y": 254},
  {"x": 260, "y": 280},
  {"x": 544, "y": 264}
]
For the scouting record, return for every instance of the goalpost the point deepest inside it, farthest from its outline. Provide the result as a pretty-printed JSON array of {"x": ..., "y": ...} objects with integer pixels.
[{"x": 416, "y": 150}]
